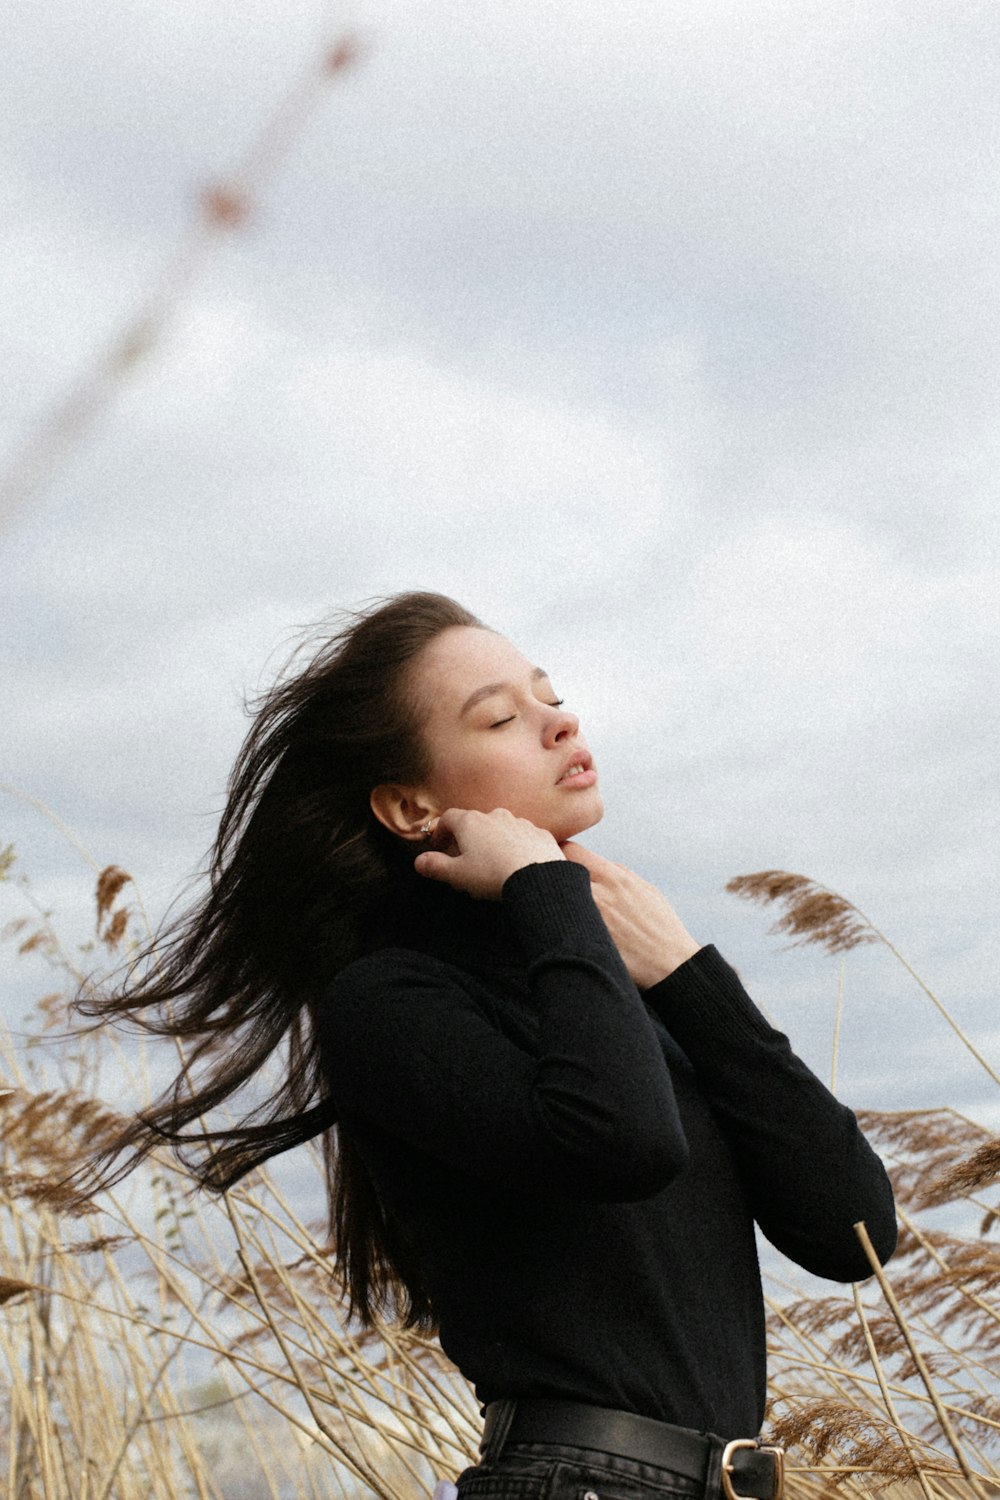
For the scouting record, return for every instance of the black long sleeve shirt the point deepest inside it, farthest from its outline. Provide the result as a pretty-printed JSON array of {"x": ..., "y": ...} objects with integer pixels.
[{"x": 577, "y": 1165}]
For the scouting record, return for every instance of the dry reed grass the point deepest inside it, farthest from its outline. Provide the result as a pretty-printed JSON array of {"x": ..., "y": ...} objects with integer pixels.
[{"x": 163, "y": 1344}]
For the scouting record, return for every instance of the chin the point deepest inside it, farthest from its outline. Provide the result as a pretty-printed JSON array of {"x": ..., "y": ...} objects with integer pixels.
[{"x": 584, "y": 818}]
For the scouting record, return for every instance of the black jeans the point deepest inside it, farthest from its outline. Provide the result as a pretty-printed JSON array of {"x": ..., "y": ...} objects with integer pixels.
[{"x": 549, "y": 1471}]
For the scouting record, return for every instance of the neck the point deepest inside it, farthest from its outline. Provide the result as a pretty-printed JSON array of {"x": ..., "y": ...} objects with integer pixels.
[{"x": 430, "y": 917}]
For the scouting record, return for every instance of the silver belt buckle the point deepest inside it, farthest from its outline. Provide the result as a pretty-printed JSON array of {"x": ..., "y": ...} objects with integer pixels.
[{"x": 727, "y": 1467}]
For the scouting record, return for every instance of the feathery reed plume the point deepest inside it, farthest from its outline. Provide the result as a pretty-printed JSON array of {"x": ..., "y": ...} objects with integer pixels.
[
  {"x": 111, "y": 924},
  {"x": 109, "y": 883},
  {"x": 920, "y": 1364},
  {"x": 863, "y": 1440},
  {"x": 924, "y": 1147},
  {"x": 45, "y": 1134},
  {"x": 11, "y": 1287},
  {"x": 813, "y": 914},
  {"x": 976, "y": 1171}
]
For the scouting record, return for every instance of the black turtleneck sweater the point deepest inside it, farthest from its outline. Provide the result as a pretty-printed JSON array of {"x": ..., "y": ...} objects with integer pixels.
[{"x": 578, "y": 1166}]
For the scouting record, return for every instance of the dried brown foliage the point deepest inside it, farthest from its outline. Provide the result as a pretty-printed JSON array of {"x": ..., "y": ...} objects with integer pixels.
[
  {"x": 225, "y": 206},
  {"x": 968, "y": 1176},
  {"x": 924, "y": 1147},
  {"x": 10, "y": 1287},
  {"x": 851, "y": 1348},
  {"x": 46, "y": 1134},
  {"x": 97, "y": 1245},
  {"x": 38, "y": 939},
  {"x": 385, "y": 1409},
  {"x": 109, "y": 882},
  {"x": 812, "y": 914},
  {"x": 971, "y": 1268},
  {"x": 51, "y": 1010},
  {"x": 344, "y": 54},
  {"x": 813, "y": 1315},
  {"x": 114, "y": 930},
  {"x": 831, "y": 1431},
  {"x": 111, "y": 924}
]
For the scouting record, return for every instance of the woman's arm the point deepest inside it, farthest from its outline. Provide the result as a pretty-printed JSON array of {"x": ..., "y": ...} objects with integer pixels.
[
  {"x": 409, "y": 1045},
  {"x": 808, "y": 1171}
]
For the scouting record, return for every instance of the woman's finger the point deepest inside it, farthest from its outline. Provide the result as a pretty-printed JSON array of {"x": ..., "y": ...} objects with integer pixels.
[
  {"x": 581, "y": 855},
  {"x": 599, "y": 867},
  {"x": 436, "y": 866}
]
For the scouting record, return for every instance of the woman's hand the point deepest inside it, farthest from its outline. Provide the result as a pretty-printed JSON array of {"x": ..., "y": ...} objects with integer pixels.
[
  {"x": 484, "y": 849},
  {"x": 646, "y": 930}
]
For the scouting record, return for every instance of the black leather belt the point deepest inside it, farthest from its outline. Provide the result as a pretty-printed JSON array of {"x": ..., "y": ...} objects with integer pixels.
[{"x": 741, "y": 1467}]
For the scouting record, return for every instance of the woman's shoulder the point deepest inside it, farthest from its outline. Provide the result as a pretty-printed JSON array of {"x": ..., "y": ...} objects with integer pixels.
[
  {"x": 392, "y": 1004},
  {"x": 387, "y": 977}
]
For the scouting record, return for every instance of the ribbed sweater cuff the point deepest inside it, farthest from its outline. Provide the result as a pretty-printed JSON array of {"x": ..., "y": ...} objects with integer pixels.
[
  {"x": 703, "y": 1003},
  {"x": 552, "y": 907}
]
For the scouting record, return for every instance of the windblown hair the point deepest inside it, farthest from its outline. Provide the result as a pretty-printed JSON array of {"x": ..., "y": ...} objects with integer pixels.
[{"x": 300, "y": 871}]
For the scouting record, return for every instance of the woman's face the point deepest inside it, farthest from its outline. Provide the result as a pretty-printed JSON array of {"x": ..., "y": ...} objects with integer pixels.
[{"x": 498, "y": 737}]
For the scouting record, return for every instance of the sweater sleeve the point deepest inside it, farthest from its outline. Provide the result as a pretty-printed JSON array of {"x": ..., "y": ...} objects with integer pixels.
[
  {"x": 808, "y": 1170},
  {"x": 408, "y": 1047}
]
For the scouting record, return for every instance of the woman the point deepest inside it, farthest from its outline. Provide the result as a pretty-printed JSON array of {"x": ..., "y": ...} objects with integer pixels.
[{"x": 557, "y": 1116}]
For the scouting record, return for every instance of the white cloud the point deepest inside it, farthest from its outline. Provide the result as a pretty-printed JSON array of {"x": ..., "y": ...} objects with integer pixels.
[{"x": 655, "y": 334}]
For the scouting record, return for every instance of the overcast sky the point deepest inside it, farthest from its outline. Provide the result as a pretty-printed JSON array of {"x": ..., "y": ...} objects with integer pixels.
[{"x": 663, "y": 336}]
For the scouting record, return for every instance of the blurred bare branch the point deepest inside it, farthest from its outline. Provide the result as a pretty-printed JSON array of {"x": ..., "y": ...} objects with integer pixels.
[{"x": 222, "y": 207}]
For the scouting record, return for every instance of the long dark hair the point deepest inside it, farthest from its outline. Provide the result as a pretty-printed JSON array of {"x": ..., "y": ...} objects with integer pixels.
[{"x": 299, "y": 872}]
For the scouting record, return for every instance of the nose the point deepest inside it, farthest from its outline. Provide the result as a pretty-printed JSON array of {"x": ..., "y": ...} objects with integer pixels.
[{"x": 560, "y": 725}]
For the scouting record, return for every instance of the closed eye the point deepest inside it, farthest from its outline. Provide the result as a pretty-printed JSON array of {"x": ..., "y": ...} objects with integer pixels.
[{"x": 558, "y": 703}]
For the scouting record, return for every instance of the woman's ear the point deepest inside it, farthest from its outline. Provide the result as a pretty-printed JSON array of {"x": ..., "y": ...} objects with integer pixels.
[{"x": 400, "y": 810}]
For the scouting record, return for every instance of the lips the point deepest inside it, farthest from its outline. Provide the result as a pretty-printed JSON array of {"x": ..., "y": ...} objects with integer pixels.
[{"x": 579, "y": 762}]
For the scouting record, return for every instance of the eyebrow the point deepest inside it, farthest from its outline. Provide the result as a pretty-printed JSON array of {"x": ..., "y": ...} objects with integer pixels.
[{"x": 495, "y": 687}]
